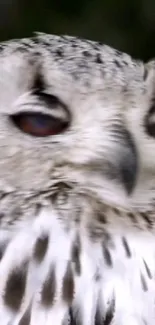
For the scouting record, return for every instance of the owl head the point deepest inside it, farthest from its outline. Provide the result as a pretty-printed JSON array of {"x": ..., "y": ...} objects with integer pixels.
[
  {"x": 77, "y": 142},
  {"x": 75, "y": 112}
]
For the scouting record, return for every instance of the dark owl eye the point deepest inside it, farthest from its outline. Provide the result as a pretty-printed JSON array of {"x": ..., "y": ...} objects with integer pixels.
[
  {"x": 151, "y": 129},
  {"x": 150, "y": 122},
  {"x": 38, "y": 124}
]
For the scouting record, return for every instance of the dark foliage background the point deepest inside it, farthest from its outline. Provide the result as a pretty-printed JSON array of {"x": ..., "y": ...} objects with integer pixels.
[{"x": 128, "y": 25}]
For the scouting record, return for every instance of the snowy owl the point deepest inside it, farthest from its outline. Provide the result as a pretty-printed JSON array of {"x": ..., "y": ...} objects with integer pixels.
[{"x": 77, "y": 184}]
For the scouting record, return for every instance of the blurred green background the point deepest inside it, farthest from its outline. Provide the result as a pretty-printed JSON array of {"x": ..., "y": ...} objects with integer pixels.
[{"x": 128, "y": 25}]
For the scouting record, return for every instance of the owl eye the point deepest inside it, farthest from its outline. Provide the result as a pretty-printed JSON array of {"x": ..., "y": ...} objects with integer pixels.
[
  {"x": 150, "y": 122},
  {"x": 151, "y": 129},
  {"x": 38, "y": 124}
]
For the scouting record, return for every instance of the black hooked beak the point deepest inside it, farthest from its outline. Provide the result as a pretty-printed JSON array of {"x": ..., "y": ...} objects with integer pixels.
[{"x": 128, "y": 162}]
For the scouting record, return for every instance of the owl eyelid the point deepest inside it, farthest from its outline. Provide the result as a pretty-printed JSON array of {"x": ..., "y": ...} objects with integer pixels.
[
  {"x": 52, "y": 103},
  {"x": 50, "y": 100}
]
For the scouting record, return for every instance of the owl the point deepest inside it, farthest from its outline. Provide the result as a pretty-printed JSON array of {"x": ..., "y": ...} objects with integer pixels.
[{"x": 77, "y": 184}]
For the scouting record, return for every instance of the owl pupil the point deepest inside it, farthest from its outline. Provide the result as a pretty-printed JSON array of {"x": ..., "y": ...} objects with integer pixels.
[{"x": 39, "y": 122}]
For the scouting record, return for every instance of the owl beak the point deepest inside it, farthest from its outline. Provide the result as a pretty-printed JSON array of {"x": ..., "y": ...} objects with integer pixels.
[
  {"x": 128, "y": 164},
  {"x": 129, "y": 173}
]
